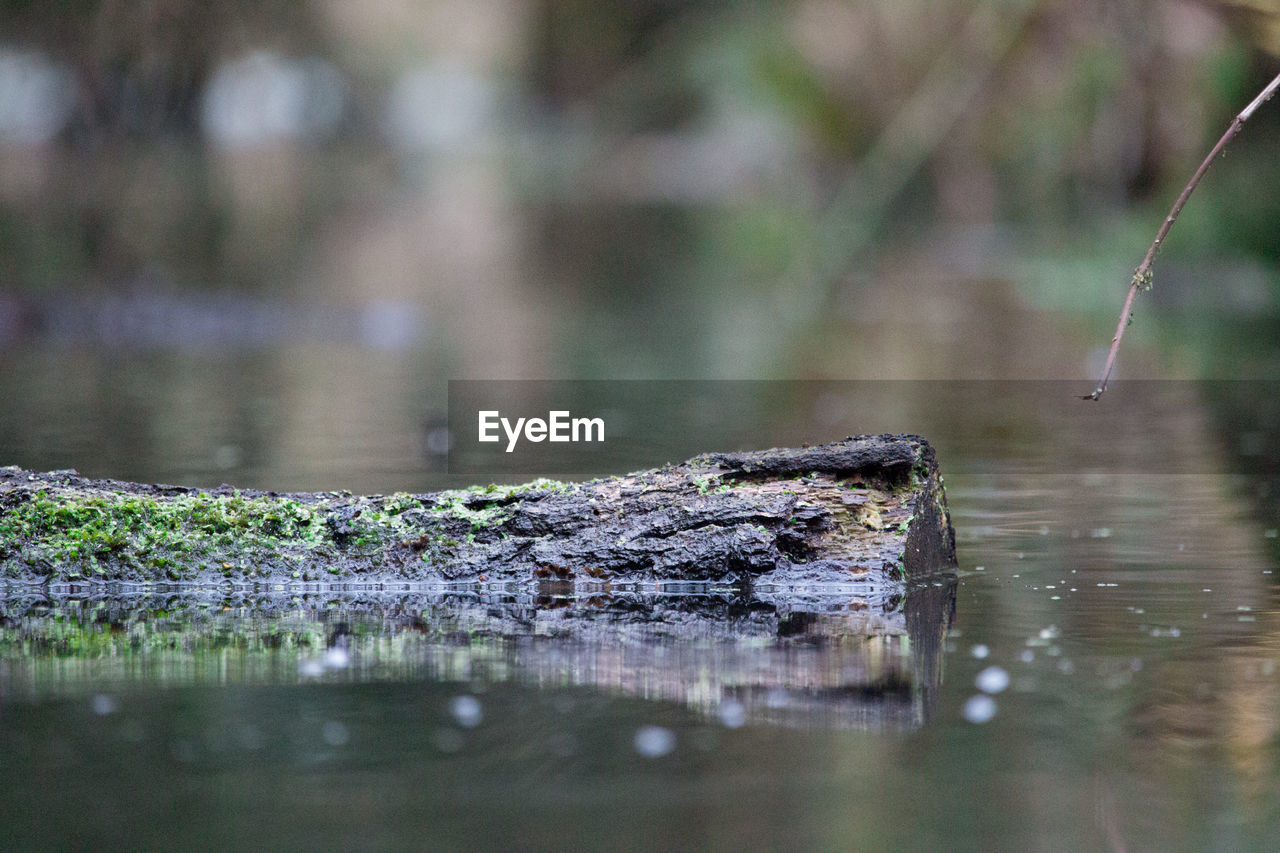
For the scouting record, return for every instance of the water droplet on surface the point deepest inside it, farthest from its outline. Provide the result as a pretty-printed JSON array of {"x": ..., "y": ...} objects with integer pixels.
[
  {"x": 979, "y": 709},
  {"x": 1027, "y": 656},
  {"x": 993, "y": 679},
  {"x": 336, "y": 658},
  {"x": 654, "y": 741},
  {"x": 732, "y": 713},
  {"x": 250, "y": 737},
  {"x": 980, "y": 651},
  {"x": 335, "y": 733},
  {"x": 467, "y": 711},
  {"x": 104, "y": 704},
  {"x": 310, "y": 668}
]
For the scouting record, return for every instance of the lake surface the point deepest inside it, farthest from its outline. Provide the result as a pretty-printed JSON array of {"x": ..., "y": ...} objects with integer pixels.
[
  {"x": 572, "y": 192},
  {"x": 1100, "y": 673}
]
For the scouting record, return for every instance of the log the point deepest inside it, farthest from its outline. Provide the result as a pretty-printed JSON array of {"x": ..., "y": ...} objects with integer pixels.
[{"x": 866, "y": 509}]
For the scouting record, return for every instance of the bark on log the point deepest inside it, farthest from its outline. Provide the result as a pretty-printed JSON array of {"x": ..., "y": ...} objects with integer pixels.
[{"x": 866, "y": 509}]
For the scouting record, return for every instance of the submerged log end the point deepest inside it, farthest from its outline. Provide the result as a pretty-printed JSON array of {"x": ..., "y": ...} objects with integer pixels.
[{"x": 866, "y": 508}]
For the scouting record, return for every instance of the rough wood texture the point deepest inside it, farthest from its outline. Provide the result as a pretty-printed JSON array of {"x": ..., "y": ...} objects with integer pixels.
[{"x": 869, "y": 508}]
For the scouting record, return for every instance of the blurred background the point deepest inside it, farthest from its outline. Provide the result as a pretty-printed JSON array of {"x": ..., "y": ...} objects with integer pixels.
[{"x": 252, "y": 241}]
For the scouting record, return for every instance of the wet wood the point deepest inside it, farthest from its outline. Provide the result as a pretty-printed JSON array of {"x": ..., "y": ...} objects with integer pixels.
[{"x": 866, "y": 509}]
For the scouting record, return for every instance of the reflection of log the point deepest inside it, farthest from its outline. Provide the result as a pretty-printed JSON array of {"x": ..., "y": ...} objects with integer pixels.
[
  {"x": 867, "y": 508},
  {"x": 871, "y": 661}
]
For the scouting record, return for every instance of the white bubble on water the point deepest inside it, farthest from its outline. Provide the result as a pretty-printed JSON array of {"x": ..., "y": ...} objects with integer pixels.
[
  {"x": 310, "y": 668},
  {"x": 467, "y": 711},
  {"x": 654, "y": 741},
  {"x": 335, "y": 733},
  {"x": 104, "y": 704},
  {"x": 979, "y": 708},
  {"x": 732, "y": 714},
  {"x": 993, "y": 679},
  {"x": 250, "y": 736},
  {"x": 980, "y": 651},
  {"x": 336, "y": 658}
]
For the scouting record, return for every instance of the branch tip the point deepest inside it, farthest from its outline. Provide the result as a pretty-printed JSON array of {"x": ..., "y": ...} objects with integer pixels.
[{"x": 1141, "y": 280}]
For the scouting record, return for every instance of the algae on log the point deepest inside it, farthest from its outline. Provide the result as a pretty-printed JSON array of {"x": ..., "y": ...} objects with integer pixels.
[{"x": 869, "y": 508}]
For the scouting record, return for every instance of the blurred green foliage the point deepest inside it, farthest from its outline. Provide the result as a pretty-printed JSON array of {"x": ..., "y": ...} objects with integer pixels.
[{"x": 811, "y": 127}]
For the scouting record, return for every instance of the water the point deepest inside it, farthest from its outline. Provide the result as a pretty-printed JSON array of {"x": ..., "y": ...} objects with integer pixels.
[
  {"x": 195, "y": 289},
  {"x": 1102, "y": 673}
]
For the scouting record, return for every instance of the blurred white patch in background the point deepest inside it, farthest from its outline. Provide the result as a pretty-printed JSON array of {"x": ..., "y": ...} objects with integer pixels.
[
  {"x": 439, "y": 107},
  {"x": 265, "y": 99},
  {"x": 36, "y": 97}
]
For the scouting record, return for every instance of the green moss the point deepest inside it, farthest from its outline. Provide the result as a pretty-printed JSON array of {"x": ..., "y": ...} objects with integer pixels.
[
  {"x": 542, "y": 484},
  {"x": 162, "y": 537},
  {"x": 712, "y": 485},
  {"x": 453, "y": 505}
]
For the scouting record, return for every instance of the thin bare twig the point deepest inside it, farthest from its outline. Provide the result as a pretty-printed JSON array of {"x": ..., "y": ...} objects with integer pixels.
[{"x": 1142, "y": 275}]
